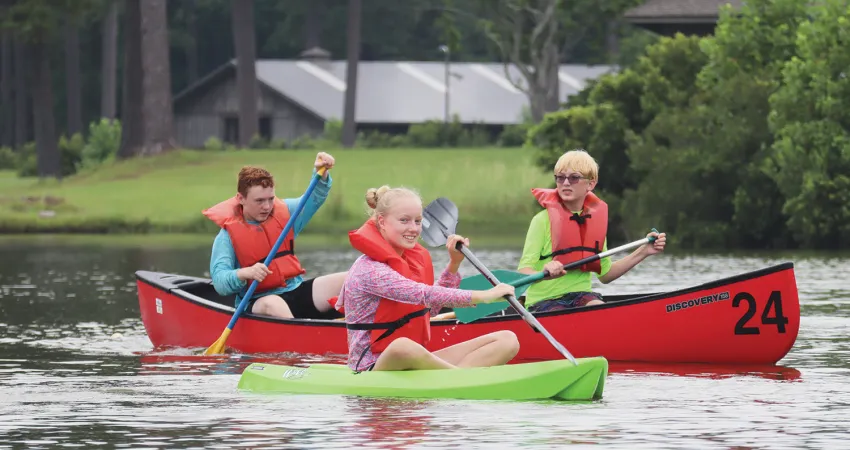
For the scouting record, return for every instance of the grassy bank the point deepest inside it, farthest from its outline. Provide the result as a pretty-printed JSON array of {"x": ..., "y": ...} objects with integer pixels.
[{"x": 166, "y": 194}]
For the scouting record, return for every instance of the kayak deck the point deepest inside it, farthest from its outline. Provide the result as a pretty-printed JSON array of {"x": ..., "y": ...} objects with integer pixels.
[{"x": 558, "y": 379}]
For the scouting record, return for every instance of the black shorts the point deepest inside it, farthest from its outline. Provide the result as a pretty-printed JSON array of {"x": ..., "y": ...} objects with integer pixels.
[{"x": 300, "y": 302}]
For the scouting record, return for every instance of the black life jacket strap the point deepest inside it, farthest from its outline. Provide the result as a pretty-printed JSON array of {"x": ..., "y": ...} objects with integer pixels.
[
  {"x": 564, "y": 251},
  {"x": 282, "y": 253},
  {"x": 580, "y": 218},
  {"x": 391, "y": 327}
]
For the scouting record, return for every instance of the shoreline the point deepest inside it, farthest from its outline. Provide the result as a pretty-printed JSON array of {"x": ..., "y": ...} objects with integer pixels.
[
  {"x": 339, "y": 241},
  {"x": 306, "y": 240},
  {"x": 166, "y": 194}
]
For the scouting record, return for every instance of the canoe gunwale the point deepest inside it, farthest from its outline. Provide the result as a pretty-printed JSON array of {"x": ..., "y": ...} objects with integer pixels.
[{"x": 160, "y": 280}]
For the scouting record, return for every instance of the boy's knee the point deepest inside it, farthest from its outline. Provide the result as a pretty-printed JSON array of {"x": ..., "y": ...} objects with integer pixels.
[{"x": 272, "y": 305}]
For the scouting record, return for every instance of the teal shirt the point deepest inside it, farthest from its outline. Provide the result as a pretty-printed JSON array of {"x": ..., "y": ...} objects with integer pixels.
[{"x": 223, "y": 262}]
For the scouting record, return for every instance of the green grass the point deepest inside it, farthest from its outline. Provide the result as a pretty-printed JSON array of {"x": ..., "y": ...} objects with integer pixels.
[{"x": 166, "y": 194}]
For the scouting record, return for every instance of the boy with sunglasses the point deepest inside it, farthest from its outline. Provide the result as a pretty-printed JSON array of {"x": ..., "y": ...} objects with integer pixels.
[{"x": 573, "y": 226}]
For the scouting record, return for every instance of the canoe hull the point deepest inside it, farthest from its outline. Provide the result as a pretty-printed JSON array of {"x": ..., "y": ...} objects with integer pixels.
[
  {"x": 559, "y": 380},
  {"x": 752, "y": 318}
]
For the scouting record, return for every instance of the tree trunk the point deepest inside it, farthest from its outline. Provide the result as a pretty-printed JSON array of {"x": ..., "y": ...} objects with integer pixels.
[
  {"x": 612, "y": 41},
  {"x": 22, "y": 100},
  {"x": 242, "y": 12},
  {"x": 349, "y": 121},
  {"x": 537, "y": 103},
  {"x": 132, "y": 129},
  {"x": 7, "y": 127},
  {"x": 313, "y": 27},
  {"x": 45, "y": 133},
  {"x": 192, "y": 49},
  {"x": 540, "y": 89},
  {"x": 109, "y": 62},
  {"x": 552, "y": 83},
  {"x": 72, "y": 78},
  {"x": 157, "y": 113}
]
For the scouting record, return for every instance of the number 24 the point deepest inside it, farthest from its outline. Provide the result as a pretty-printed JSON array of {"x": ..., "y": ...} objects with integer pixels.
[{"x": 773, "y": 302}]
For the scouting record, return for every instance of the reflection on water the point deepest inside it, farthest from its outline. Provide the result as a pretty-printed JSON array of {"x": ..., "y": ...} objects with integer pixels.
[
  {"x": 77, "y": 369},
  {"x": 713, "y": 371}
]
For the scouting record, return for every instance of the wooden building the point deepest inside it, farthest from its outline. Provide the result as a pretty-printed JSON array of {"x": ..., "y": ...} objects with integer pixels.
[
  {"x": 668, "y": 17},
  {"x": 297, "y": 97}
]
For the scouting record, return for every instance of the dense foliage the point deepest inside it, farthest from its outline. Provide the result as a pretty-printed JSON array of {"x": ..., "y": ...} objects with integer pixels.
[{"x": 735, "y": 140}]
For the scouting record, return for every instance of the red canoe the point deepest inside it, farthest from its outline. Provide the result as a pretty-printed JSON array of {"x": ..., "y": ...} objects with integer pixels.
[{"x": 751, "y": 318}]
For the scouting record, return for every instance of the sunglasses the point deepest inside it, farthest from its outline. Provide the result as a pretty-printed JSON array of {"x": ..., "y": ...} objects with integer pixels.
[{"x": 572, "y": 178}]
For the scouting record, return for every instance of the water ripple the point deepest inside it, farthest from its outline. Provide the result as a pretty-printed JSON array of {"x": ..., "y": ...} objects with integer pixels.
[{"x": 77, "y": 370}]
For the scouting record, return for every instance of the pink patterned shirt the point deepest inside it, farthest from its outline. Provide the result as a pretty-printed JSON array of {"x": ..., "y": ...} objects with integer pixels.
[{"x": 368, "y": 281}]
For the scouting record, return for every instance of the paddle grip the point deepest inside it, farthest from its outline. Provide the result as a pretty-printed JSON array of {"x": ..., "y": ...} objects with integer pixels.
[
  {"x": 530, "y": 319},
  {"x": 652, "y": 238}
]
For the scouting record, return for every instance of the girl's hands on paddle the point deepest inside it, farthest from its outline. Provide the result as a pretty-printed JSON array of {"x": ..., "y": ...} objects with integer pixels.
[
  {"x": 494, "y": 294},
  {"x": 257, "y": 272},
  {"x": 455, "y": 256},
  {"x": 657, "y": 246},
  {"x": 555, "y": 269},
  {"x": 324, "y": 160}
]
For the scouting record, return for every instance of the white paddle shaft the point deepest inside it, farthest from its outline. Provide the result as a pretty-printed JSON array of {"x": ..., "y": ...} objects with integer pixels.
[{"x": 517, "y": 305}]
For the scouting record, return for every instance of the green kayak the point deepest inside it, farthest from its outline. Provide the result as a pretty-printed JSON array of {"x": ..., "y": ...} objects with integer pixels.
[{"x": 558, "y": 379}]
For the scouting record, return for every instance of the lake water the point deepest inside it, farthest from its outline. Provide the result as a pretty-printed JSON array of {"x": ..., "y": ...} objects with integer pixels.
[{"x": 77, "y": 370}]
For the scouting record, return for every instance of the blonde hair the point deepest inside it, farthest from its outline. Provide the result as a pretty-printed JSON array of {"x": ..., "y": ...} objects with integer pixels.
[
  {"x": 580, "y": 161},
  {"x": 381, "y": 200}
]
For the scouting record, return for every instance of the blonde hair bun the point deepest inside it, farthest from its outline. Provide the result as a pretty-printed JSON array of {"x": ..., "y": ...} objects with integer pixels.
[
  {"x": 374, "y": 195},
  {"x": 380, "y": 200}
]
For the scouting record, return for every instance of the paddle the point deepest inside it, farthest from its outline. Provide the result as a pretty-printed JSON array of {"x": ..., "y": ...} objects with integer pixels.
[
  {"x": 467, "y": 315},
  {"x": 479, "y": 282},
  {"x": 439, "y": 222},
  {"x": 218, "y": 346}
]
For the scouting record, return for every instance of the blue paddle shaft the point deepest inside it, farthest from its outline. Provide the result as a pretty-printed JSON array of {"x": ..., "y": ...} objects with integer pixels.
[{"x": 289, "y": 224}]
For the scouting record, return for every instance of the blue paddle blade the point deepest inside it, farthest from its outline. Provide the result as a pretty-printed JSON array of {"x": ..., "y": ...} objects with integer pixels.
[{"x": 480, "y": 283}]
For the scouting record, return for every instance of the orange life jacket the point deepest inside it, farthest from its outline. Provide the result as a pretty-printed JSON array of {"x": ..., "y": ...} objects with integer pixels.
[
  {"x": 252, "y": 243},
  {"x": 575, "y": 236},
  {"x": 395, "y": 318}
]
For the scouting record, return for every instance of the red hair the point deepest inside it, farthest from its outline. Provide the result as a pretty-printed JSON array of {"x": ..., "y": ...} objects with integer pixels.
[{"x": 251, "y": 176}]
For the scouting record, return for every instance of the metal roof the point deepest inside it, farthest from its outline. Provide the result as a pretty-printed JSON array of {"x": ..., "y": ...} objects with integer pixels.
[
  {"x": 405, "y": 92},
  {"x": 678, "y": 9}
]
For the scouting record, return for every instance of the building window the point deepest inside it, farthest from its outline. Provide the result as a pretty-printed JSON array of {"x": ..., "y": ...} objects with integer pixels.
[
  {"x": 231, "y": 130},
  {"x": 265, "y": 128}
]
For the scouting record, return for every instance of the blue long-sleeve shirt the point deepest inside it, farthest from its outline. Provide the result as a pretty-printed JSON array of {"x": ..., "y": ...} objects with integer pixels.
[{"x": 223, "y": 262}]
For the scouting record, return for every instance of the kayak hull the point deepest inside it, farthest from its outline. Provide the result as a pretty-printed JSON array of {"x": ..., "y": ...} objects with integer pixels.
[
  {"x": 752, "y": 318},
  {"x": 558, "y": 380}
]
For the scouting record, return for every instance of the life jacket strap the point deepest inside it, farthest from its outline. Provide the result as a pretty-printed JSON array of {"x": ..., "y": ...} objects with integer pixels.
[
  {"x": 282, "y": 253},
  {"x": 580, "y": 219},
  {"x": 391, "y": 327},
  {"x": 564, "y": 251}
]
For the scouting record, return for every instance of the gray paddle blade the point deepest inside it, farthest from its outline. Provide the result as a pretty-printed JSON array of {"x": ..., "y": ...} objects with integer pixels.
[{"x": 439, "y": 221}]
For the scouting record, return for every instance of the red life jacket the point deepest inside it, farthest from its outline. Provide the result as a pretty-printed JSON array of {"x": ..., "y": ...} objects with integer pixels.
[
  {"x": 395, "y": 318},
  {"x": 575, "y": 236},
  {"x": 252, "y": 243}
]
